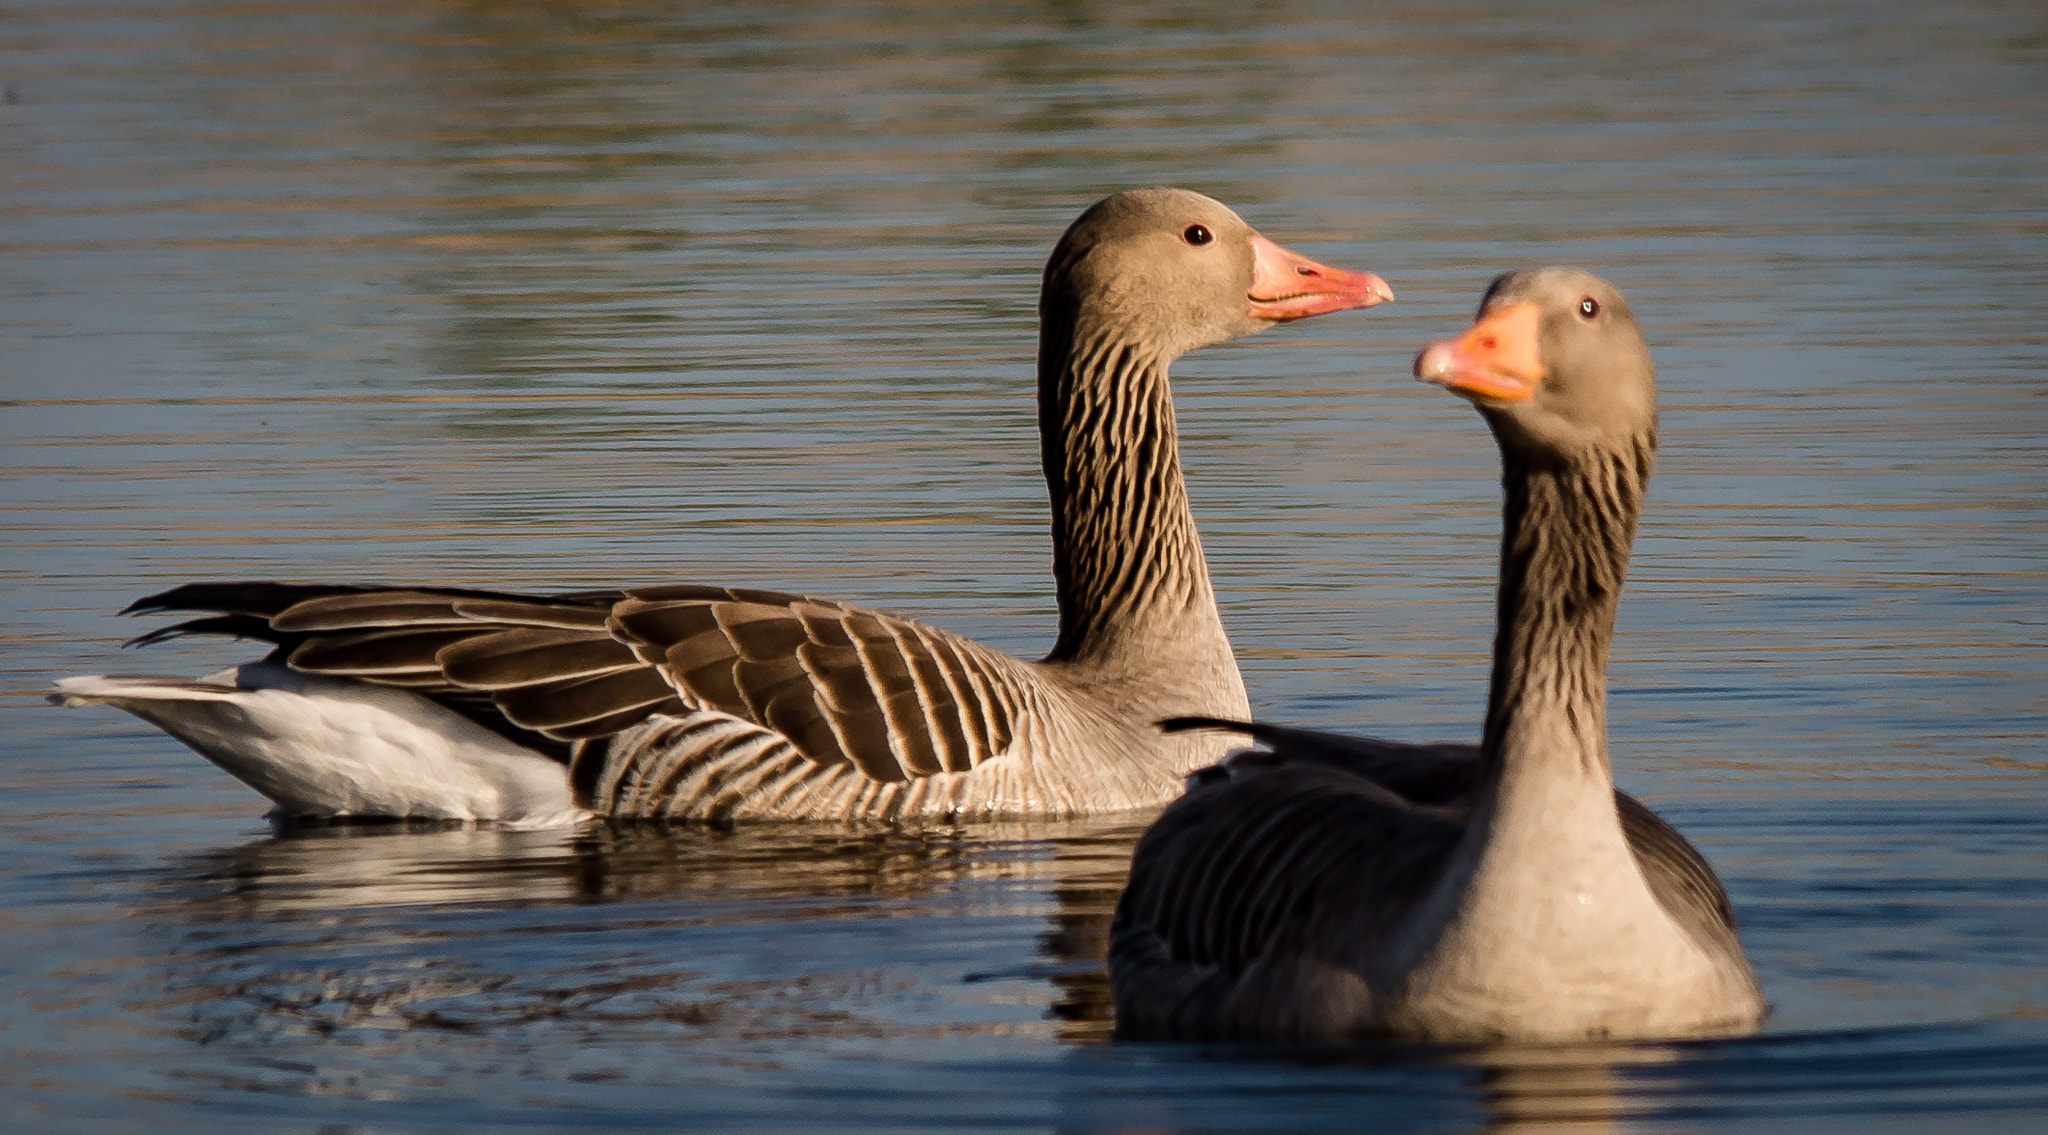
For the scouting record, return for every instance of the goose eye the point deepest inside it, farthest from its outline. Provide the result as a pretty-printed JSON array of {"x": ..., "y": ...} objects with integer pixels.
[
  {"x": 1589, "y": 307},
  {"x": 1197, "y": 235}
]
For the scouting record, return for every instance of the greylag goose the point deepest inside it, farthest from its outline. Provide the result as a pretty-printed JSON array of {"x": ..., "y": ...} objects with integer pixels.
[
  {"x": 693, "y": 702},
  {"x": 1331, "y": 887}
]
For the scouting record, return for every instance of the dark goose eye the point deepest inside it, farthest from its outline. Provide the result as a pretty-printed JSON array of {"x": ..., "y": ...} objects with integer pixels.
[
  {"x": 1589, "y": 307},
  {"x": 1197, "y": 235}
]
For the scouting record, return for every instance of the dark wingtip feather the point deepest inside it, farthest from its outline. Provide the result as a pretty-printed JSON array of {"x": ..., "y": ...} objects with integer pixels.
[
  {"x": 171, "y": 600},
  {"x": 239, "y": 626},
  {"x": 260, "y": 598},
  {"x": 1224, "y": 724}
]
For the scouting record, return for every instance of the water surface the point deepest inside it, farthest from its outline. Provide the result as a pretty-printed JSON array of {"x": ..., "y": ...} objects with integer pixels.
[{"x": 548, "y": 296}]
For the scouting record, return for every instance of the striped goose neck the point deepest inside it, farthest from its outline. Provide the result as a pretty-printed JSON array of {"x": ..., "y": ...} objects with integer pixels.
[
  {"x": 1127, "y": 562},
  {"x": 1566, "y": 532}
]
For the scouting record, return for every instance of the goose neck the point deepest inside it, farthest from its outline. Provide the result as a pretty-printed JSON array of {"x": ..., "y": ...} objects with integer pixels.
[
  {"x": 1127, "y": 561},
  {"x": 1567, "y": 530}
]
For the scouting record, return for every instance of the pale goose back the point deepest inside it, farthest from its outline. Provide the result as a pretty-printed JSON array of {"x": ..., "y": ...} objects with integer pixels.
[
  {"x": 722, "y": 702},
  {"x": 1337, "y": 887}
]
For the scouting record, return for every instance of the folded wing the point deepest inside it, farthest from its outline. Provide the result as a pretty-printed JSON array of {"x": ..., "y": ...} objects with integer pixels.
[{"x": 890, "y": 698}]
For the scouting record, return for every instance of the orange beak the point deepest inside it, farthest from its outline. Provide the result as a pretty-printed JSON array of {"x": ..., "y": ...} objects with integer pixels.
[
  {"x": 1498, "y": 359},
  {"x": 1287, "y": 285}
]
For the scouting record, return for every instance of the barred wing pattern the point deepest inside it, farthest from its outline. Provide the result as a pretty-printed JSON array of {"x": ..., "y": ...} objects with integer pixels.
[
  {"x": 659, "y": 696},
  {"x": 1240, "y": 887},
  {"x": 895, "y": 699},
  {"x": 805, "y": 707}
]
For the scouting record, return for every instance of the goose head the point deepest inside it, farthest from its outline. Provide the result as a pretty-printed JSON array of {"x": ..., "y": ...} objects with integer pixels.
[
  {"x": 1555, "y": 362},
  {"x": 1179, "y": 271}
]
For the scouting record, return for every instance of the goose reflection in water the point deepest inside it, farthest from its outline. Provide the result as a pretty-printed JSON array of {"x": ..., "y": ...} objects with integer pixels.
[
  {"x": 1397, "y": 1086},
  {"x": 1579, "y": 1089},
  {"x": 805, "y": 935}
]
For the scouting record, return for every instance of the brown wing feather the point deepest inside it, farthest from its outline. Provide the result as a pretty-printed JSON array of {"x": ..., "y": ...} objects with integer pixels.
[
  {"x": 529, "y": 655},
  {"x": 369, "y": 609},
  {"x": 565, "y": 615},
  {"x": 399, "y": 656},
  {"x": 970, "y": 693},
  {"x": 946, "y": 719},
  {"x": 559, "y": 706},
  {"x": 846, "y": 706},
  {"x": 902, "y": 698},
  {"x": 891, "y": 698}
]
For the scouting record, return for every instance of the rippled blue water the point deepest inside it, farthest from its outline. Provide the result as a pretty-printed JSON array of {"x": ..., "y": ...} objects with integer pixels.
[{"x": 537, "y": 295}]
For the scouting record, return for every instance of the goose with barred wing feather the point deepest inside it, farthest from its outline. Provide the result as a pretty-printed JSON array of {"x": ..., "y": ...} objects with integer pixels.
[{"x": 694, "y": 702}]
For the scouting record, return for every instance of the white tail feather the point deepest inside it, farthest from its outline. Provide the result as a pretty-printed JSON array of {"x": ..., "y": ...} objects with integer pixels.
[{"x": 332, "y": 747}]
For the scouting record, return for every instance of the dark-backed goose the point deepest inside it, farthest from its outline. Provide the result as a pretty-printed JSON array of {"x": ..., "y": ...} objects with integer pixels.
[
  {"x": 714, "y": 702},
  {"x": 1336, "y": 887}
]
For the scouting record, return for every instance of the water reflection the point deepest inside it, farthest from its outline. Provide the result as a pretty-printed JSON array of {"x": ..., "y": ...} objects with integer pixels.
[
  {"x": 316, "y": 870},
  {"x": 1558, "y": 1090},
  {"x": 320, "y": 930},
  {"x": 754, "y": 944}
]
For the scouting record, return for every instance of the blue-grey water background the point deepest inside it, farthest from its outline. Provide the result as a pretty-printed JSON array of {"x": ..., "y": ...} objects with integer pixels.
[{"x": 553, "y": 295}]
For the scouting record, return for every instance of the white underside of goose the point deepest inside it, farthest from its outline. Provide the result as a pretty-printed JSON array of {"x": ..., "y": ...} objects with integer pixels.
[
  {"x": 332, "y": 747},
  {"x": 1544, "y": 928}
]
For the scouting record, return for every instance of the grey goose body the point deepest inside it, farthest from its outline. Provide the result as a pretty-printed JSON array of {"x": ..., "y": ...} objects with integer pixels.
[
  {"x": 693, "y": 702},
  {"x": 1332, "y": 887}
]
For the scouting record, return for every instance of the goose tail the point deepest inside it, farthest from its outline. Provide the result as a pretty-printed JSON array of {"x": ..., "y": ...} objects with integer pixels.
[{"x": 329, "y": 748}]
